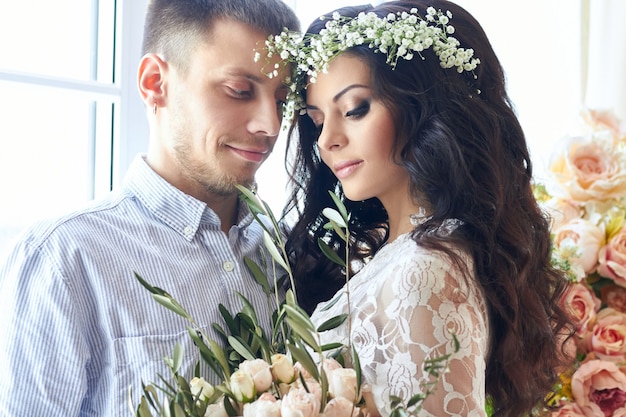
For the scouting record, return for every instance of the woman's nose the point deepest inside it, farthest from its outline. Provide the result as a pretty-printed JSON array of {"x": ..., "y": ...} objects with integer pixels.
[{"x": 331, "y": 138}]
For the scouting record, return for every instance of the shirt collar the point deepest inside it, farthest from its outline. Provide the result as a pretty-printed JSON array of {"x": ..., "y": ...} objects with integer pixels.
[{"x": 180, "y": 211}]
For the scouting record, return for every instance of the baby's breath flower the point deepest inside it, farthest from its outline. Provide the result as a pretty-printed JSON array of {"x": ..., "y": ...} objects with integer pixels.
[{"x": 398, "y": 35}]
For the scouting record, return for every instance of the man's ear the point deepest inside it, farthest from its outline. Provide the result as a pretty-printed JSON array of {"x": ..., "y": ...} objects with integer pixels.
[{"x": 151, "y": 80}]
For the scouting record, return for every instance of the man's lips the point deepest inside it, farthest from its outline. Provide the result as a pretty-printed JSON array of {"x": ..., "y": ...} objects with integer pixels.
[
  {"x": 250, "y": 154},
  {"x": 344, "y": 169}
]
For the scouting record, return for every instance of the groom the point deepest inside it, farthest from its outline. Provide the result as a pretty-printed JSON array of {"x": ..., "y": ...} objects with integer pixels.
[{"x": 77, "y": 329}]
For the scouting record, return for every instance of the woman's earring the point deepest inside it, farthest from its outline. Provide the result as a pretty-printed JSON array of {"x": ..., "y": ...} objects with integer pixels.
[{"x": 154, "y": 109}]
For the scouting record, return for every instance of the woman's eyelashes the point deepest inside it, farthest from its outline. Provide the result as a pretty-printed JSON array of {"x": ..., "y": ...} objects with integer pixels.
[{"x": 361, "y": 110}]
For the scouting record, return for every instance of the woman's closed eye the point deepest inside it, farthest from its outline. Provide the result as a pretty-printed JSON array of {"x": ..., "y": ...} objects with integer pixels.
[{"x": 359, "y": 111}]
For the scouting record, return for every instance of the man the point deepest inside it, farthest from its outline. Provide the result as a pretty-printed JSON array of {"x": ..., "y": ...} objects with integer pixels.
[{"x": 78, "y": 330}]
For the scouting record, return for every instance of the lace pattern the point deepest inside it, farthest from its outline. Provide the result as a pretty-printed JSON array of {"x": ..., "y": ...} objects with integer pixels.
[{"x": 405, "y": 303}]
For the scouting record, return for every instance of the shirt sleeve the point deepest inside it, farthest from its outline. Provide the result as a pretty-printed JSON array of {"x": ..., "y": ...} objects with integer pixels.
[
  {"x": 409, "y": 319},
  {"x": 39, "y": 320}
]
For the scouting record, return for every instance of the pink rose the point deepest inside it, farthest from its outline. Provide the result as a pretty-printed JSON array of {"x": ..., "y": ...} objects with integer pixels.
[
  {"x": 612, "y": 259},
  {"x": 586, "y": 237},
  {"x": 614, "y": 297},
  {"x": 582, "y": 305},
  {"x": 607, "y": 337},
  {"x": 340, "y": 407},
  {"x": 312, "y": 386},
  {"x": 599, "y": 389},
  {"x": 605, "y": 120},
  {"x": 561, "y": 211},
  {"x": 265, "y": 406},
  {"x": 299, "y": 403},
  {"x": 590, "y": 169}
]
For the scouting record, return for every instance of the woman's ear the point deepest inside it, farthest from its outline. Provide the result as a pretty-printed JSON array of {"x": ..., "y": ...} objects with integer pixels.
[{"x": 150, "y": 80}]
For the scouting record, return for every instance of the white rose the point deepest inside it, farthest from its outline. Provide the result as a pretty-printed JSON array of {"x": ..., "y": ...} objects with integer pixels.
[
  {"x": 340, "y": 407},
  {"x": 299, "y": 403},
  {"x": 201, "y": 388},
  {"x": 260, "y": 372},
  {"x": 242, "y": 386},
  {"x": 282, "y": 368},
  {"x": 216, "y": 410},
  {"x": 342, "y": 383},
  {"x": 265, "y": 406}
]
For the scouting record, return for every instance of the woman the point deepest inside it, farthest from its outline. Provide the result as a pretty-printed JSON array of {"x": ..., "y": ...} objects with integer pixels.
[{"x": 428, "y": 156}]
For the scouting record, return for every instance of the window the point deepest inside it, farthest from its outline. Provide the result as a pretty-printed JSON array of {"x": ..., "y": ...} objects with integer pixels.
[{"x": 68, "y": 102}]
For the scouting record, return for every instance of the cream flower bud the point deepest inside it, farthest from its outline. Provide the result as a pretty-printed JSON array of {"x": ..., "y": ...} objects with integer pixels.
[
  {"x": 265, "y": 406},
  {"x": 201, "y": 388},
  {"x": 242, "y": 386},
  {"x": 260, "y": 372},
  {"x": 299, "y": 403},
  {"x": 342, "y": 383},
  {"x": 282, "y": 368}
]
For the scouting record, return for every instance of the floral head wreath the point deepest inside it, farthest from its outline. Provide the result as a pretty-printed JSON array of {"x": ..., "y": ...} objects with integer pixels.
[{"x": 399, "y": 35}]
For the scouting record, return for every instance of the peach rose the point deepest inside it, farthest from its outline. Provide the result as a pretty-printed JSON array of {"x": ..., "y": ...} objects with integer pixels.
[
  {"x": 599, "y": 389},
  {"x": 612, "y": 259},
  {"x": 586, "y": 237},
  {"x": 582, "y": 305},
  {"x": 607, "y": 337},
  {"x": 590, "y": 170}
]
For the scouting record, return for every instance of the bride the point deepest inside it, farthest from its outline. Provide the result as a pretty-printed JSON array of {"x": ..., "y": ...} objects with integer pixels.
[{"x": 416, "y": 132}]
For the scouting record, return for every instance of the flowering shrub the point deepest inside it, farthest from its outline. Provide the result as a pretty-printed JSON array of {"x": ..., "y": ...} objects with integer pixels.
[{"x": 587, "y": 200}]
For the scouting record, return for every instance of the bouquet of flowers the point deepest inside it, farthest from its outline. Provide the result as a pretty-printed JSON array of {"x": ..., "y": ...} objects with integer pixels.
[
  {"x": 285, "y": 373},
  {"x": 587, "y": 199}
]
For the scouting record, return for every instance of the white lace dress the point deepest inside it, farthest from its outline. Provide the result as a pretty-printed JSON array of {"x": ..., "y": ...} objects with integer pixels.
[{"x": 405, "y": 303}]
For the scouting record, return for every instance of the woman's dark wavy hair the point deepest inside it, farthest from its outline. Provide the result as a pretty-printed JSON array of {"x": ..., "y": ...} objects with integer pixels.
[{"x": 464, "y": 149}]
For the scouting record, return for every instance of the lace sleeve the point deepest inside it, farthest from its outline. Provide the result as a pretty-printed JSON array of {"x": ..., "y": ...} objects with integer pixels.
[{"x": 407, "y": 316}]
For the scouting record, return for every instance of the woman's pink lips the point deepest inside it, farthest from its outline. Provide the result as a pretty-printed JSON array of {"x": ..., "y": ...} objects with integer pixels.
[
  {"x": 252, "y": 155},
  {"x": 344, "y": 169}
]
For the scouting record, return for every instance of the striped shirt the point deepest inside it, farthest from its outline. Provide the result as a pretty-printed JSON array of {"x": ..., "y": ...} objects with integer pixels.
[{"x": 77, "y": 330}]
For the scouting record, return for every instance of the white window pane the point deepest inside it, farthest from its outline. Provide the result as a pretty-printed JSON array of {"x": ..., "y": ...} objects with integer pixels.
[
  {"x": 47, "y": 162},
  {"x": 62, "y": 38}
]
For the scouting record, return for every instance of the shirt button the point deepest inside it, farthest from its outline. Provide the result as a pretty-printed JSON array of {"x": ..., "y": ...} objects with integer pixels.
[
  {"x": 228, "y": 266},
  {"x": 188, "y": 231}
]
